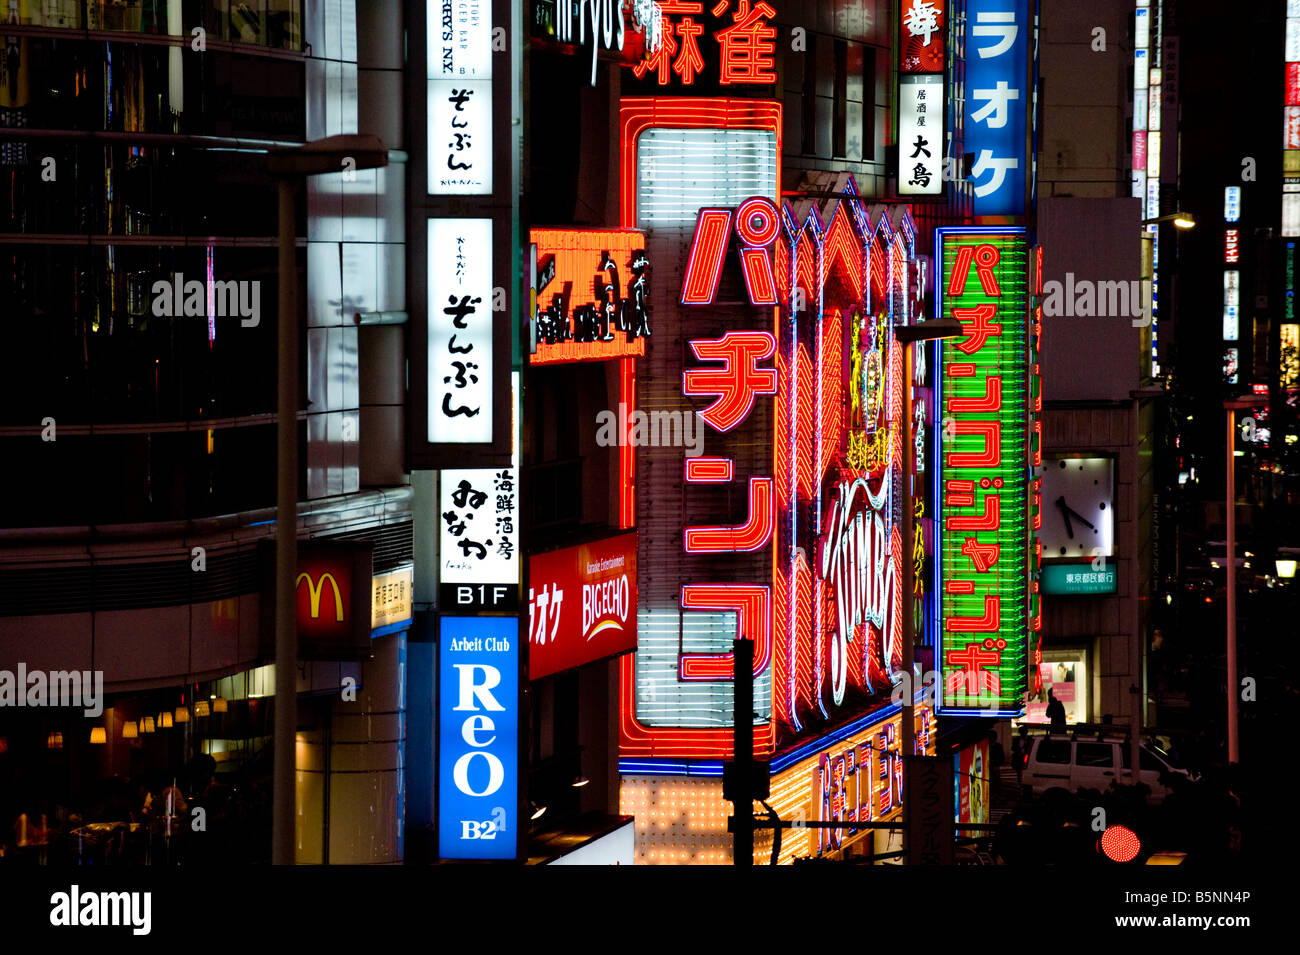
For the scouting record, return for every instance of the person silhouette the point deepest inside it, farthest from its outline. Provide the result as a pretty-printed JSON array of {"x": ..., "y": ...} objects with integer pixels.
[{"x": 1055, "y": 712}]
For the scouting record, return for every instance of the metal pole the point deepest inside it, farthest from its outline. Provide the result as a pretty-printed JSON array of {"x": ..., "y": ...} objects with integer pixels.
[
  {"x": 743, "y": 807},
  {"x": 286, "y": 538},
  {"x": 909, "y": 517},
  {"x": 1133, "y": 613},
  {"x": 1231, "y": 571}
]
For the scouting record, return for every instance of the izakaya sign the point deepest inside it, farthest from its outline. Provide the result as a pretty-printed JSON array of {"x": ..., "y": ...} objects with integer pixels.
[
  {"x": 581, "y": 604},
  {"x": 479, "y": 543},
  {"x": 983, "y": 566},
  {"x": 478, "y": 738}
]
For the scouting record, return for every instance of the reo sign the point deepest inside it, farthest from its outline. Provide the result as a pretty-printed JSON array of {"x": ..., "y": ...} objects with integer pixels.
[{"x": 478, "y": 745}]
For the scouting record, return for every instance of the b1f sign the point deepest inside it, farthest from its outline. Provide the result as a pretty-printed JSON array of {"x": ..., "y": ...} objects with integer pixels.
[
  {"x": 478, "y": 738},
  {"x": 478, "y": 562}
]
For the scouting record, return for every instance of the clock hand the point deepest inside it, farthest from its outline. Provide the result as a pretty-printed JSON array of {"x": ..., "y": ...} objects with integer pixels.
[
  {"x": 1082, "y": 520},
  {"x": 1065, "y": 513}
]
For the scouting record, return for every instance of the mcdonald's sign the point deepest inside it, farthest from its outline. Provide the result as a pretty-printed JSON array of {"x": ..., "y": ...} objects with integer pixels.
[
  {"x": 314, "y": 588},
  {"x": 331, "y": 599}
]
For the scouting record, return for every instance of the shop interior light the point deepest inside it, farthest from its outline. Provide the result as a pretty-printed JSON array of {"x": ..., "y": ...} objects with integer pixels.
[
  {"x": 219, "y": 704},
  {"x": 165, "y": 719},
  {"x": 580, "y": 781},
  {"x": 147, "y": 725},
  {"x": 182, "y": 714},
  {"x": 201, "y": 708},
  {"x": 538, "y": 811},
  {"x": 98, "y": 735},
  {"x": 54, "y": 740},
  {"x": 1285, "y": 568},
  {"x": 130, "y": 730}
]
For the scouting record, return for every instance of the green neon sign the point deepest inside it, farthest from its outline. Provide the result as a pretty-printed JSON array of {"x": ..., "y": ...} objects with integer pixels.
[{"x": 984, "y": 478}]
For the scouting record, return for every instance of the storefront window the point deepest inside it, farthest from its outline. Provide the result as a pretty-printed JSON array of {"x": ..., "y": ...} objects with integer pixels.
[{"x": 1064, "y": 676}]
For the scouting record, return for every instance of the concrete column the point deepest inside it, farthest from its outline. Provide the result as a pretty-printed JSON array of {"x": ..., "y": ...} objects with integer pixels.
[{"x": 367, "y": 774}]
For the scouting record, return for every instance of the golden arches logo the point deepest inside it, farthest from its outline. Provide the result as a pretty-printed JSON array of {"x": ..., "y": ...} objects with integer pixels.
[{"x": 314, "y": 591}]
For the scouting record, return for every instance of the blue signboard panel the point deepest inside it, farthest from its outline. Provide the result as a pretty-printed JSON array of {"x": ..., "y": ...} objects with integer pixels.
[
  {"x": 478, "y": 737},
  {"x": 997, "y": 100}
]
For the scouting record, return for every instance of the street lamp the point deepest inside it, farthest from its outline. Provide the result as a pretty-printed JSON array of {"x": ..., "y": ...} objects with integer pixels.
[
  {"x": 1183, "y": 220},
  {"x": 1232, "y": 406},
  {"x": 907, "y": 335},
  {"x": 287, "y": 165}
]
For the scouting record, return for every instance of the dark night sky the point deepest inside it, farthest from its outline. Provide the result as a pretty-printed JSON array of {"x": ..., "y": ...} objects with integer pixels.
[{"x": 1231, "y": 81}]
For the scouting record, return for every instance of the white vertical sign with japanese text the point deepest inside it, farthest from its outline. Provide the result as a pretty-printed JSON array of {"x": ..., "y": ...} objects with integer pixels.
[
  {"x": 460, "y": 331},
  {"x": 459, "y": 79},
  {"x": 920, "y": 134},
  {"x": 478, "y": 566}
]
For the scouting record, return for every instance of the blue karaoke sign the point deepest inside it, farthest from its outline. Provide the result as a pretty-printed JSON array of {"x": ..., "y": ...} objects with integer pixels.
[
  {"x": 998, "y": 96},
  {"x": 478, "y": 737}
]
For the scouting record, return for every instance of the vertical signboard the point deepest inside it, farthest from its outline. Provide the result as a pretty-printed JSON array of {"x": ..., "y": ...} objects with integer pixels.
[
  {"x": 920, "y": 134},
  {"x": 459, "y": 85},
  {"x": 983, "y": 557},
  {"x": 459, "y": 341},
  {"x": 463, "y": 302},
  {"x": 479, "y": 540},
  {"x": 922, "y": 29},
  {"x": 928, "y": 783},
  {"x": 478, "y": 738},
  {"x": 997, "y": 57}
]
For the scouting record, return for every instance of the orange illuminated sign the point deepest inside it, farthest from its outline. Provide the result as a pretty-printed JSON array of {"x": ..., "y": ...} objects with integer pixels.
[{"x": 590, "y": 303}]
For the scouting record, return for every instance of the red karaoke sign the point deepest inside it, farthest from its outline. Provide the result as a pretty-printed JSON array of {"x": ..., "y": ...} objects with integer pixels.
[{"x": 581, "y": 604}]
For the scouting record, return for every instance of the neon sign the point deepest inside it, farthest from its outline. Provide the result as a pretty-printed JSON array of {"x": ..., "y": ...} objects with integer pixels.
[
  {"x": 591, "y": 295},
  {"x": 705, "y": 580},
  {"x": 746, "y": 48},
  {"x": 855, "y": 563},
  {"x": 983, "y": 557}
]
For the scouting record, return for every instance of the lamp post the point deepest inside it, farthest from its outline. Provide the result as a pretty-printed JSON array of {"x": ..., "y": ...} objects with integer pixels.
[
  {"x": 1182, "y": 220},
  {"x": 287, "y": 166},
  {"x": 1232, "y": 406},
  {"x": 907, "y": 335}
]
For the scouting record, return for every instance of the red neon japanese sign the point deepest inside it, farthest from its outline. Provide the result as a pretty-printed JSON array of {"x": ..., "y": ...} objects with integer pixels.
[
  {"x": 742, "y": 43},
  {"x": 727, "y": 379}
]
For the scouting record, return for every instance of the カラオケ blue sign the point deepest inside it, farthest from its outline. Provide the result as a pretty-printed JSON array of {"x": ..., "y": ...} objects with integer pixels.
[
  {"x": 997, "y": 97},
  {"x": 478, "y": 737}
]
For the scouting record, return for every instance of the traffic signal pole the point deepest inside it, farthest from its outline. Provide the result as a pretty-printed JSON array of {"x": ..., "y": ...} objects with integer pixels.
[{"x": 740, "y": 785}]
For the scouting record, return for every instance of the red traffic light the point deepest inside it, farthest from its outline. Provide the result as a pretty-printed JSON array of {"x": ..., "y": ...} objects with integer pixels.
[{"x": 1119, "y": 844}]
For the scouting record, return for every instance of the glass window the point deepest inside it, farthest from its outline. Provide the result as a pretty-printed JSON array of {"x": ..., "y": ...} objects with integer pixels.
[
  {"x": 1094, "y": 754},
  {"x": 1054, "y": 751},
  {"x": 1147, "y": 760}
]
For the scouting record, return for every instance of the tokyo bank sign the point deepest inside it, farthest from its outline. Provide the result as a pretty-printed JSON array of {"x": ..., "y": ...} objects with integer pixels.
[{"x": 478, "y": 738}]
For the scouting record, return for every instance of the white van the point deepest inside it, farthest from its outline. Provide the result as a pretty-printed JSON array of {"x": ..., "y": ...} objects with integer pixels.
[{"x": 1094, "y": 763}]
